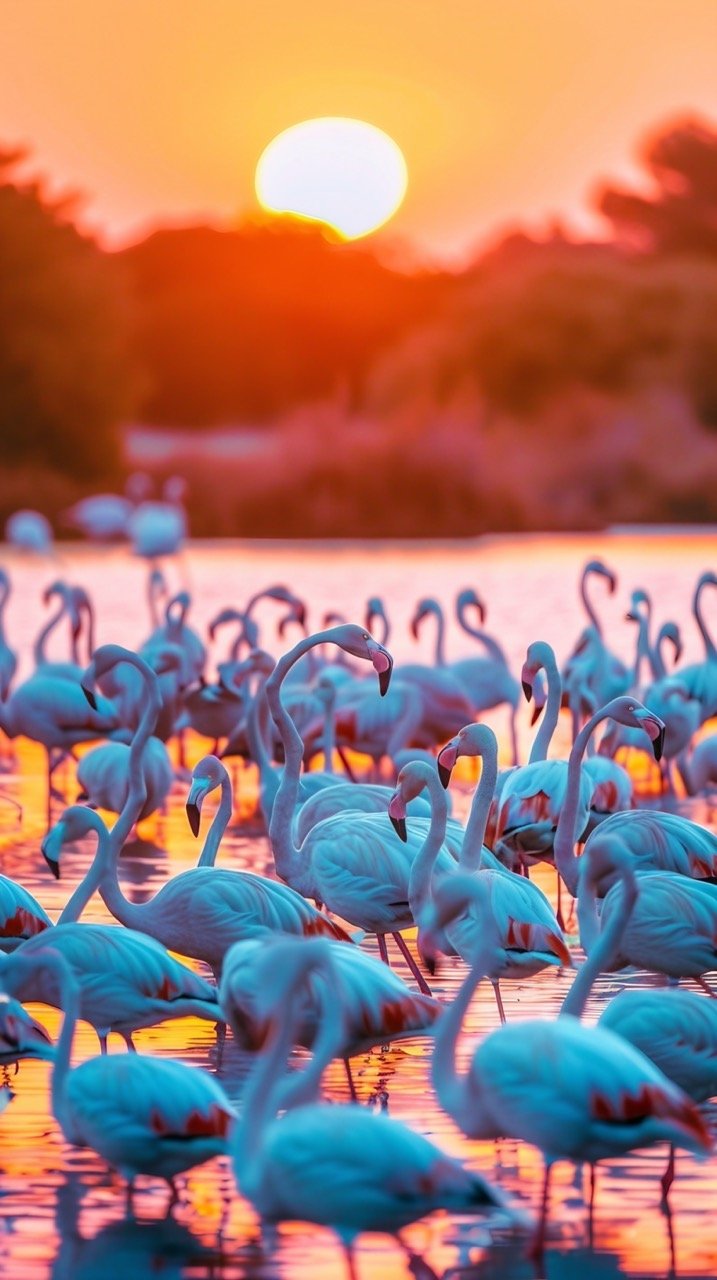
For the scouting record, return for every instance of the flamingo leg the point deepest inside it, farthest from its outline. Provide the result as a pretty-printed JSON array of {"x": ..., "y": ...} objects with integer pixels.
[
  {"x": 103, "y": 1042},
  {"x": 537, "y": 1247},
  {"x": 350, "y": 1079},
  {"x": 559, "y": 907},
  {"x": 382, "y": 948},
  {"x": 514, "y": 737},
  {"x": 499, "y": 1001},
  {"x": 422, "y": 984},
  {"x": 128, "y": 1202},
  {"x": 127, "y": 1037},
  {"x": 350, "y": 1261},
  {"x": 668, "y": 1176},
  {"x": 591, "y": 1205},
  {"x": 706, "y": 987},
  {"x": 221, "y": 1031},
  {"x": 346, "y": 763}
]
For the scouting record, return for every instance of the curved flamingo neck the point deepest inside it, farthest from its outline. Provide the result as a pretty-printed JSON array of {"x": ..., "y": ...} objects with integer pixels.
[
  {"x": 551, "y": 714},
  {"x": 439, "y": 657},
  {"x": 328, "y": 737},
  {"x": 710, "y": 648},
  {"x": 287, "y": 855},
  {"x": 452, "y": 1088},
  {"x": 567, "y": 833},
  {"x": 219, "y": 824},
  {"x": 588, "y": 572},
  {"x": 91, "y": 881},
  {"x": 258, "y": 734},
  {"x": 419, "y": 883},
  {"x": 601, "y": 952},
  {"x": 137, "y": 790},
  {"x": 472, "y": 856},
  {"x": 38, "y": 650},
  {"x": 643, "y": 650},
  {"x": 265, "y": 1085}
]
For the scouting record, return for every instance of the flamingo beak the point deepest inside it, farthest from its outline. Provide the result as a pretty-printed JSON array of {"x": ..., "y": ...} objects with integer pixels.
[
  {"x": 90, "y": 695},
  {"x": 445, "y": 762},
  {"x": 658, "y": 744},
  {"x": 527, "y": 689},
  {"x": 193, "y": 817},
  {"x": 397, "y": 814},
  {"x": 382, "y": 665},
  {"x": 50, "y": 849},
  {"x": 535, "y": 716}
]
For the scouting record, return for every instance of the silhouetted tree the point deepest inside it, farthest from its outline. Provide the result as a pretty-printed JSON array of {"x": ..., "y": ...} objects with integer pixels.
[
  {"x": 66, "y": 378},
  {"x": 679, "y": 212}
]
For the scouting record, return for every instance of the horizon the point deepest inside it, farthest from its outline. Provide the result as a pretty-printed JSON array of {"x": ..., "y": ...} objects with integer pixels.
[{"x": 506, "y": 119}]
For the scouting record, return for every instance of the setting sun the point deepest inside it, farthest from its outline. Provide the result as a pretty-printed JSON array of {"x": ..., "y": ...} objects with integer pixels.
[{"x": 345, "y": 173}]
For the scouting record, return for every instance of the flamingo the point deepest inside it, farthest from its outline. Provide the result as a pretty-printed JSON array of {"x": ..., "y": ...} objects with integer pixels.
[
  {"x": 377, "y": 1006},
  {"x": 488, "y": 679},
  {"x": 140, "y": 1114},
  {"x": 158, "y": 528},
  {"x": 103, "y": 517},
  {"x": 607, "y": 674},
  {"x": 700, "y": 678},
  {"x": 446, "y": 702},
  {"x": 699, "y": 769},
  {"x": 127, "y": 980},
  {"x": 29, "y": 530},
  {"x": 21, "y": 915},
  {"x": 200, "y": 912},
  {"x": 677, "y": 1030},
  {"x": 576, "y": 1092},
  {"x": 529, "y": 933},
  {"x": 103, "y": 775},
  {"x": 351, "y": 862},
  {"x": 339, "y": 1165},
  {"x": 531, "y": 796},
  {"x": 54, "y": 711},
  {"x": 175, "y": 630}
]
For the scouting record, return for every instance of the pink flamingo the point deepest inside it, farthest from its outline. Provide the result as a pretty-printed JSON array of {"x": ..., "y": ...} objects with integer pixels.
[
  {"x": 677, "y": 1030},
  {"x": 200, "y": 912},
  {"x": 525, "y": 921},
  {"x": 378, "y": 1007},
  {"x": 700, "y": 678},
  {"x": 338, "y": 1166},
  {"x": 607, "y": 674},
  {"x": 574, "y": 1091},
  {"x": 531, "y": 797},
  {"x": 488, "y": 679},
  {"x": 352, "y": 862},
  {"x": 140, "y": 1114}
]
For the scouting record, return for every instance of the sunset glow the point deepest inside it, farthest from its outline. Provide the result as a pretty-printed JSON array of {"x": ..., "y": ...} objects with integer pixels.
[{"x": 345, "y": 173}]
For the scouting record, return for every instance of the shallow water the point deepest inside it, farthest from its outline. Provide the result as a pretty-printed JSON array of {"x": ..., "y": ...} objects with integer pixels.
[{"x": 61, "y": 1212}]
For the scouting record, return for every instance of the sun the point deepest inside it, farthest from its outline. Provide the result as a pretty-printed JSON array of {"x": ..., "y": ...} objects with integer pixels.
[{"x": 344, "y": 173}]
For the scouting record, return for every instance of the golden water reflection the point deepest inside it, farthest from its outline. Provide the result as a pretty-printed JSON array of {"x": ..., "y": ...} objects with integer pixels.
[{"x": 61, "y": 1211}]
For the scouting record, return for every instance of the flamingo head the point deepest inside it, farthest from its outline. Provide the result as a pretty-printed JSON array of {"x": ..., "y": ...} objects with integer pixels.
[
  {"x": 468, "y": 598},
  {"x": 75, "y": 823},
  {"x": 221, "y": 619},
  {"x": 471, "y": 740},
  {"x": 357, "y": 641},
  {"x": 602, "y": 571},
  {"x": 670, "y": 631},
  {"x": 423, "y": 608},
  {"x": 296, "y": 614},
  {"x": 540, "y": 657},
  {"x": 632, "y": 712},
  {"x": 414, "y": 778},
  {"x": 374, "y": 609},
  {"x": 107, "y": 657},
  {"x": 206, "y": 775}
]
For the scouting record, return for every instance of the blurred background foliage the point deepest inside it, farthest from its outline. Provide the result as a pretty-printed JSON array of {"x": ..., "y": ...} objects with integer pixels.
[{"x": 550, "y": 384}]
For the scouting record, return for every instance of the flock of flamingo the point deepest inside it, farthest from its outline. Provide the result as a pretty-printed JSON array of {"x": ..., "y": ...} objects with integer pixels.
[{"x": 367, "y": 845}]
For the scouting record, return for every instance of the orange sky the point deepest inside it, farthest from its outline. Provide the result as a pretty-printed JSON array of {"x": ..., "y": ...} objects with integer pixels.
[{"x": 505, "y": 109}]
